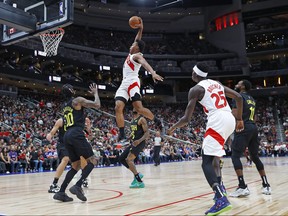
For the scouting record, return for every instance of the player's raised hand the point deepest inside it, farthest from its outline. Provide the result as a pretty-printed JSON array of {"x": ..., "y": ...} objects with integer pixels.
[
  {"x": 93, "y": 88},
  {"x": 140, "y": 25}
]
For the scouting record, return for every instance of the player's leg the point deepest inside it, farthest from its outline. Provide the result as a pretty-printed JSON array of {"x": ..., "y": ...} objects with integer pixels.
[
  {"x": 238, "y": 147},
  {"x": 69, "y": 141},
  {"x": 121, "y": 98},
  {"x": 64, "y": 160},
  {"x": 137, "y": 104},
  {"x": 134, "y": 152},
  {"x": 253, "y": 150},
  {"x": 218, "y": 165},
  {"x": 87, "y": 161},
  {"x": 123, "y": 156},
  {"x": 221, "y": 203}
]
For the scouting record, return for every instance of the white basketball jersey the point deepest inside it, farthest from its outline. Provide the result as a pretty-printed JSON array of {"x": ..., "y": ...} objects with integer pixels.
[
  {"x": 130, "y": 67},
  {"x": 214, "y": 98}
]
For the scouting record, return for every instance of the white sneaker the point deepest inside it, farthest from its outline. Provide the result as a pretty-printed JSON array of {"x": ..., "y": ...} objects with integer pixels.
[
  {"x": 240, "y": 192},
  {"x": 266, "y": 190}
]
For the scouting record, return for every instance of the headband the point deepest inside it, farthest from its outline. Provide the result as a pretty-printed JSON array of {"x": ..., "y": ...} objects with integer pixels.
[{"x": 199, "y": 72}]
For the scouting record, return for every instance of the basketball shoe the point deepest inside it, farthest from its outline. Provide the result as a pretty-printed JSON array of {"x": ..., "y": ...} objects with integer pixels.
[
  {"x": 62, "y": 196},
  {"x": 135, "y": 180},
  {"x": 54, "y": 188},
  {"x": 76, "y": 190},
  {"x": 85, "y": 183},
  {"x": 240, "y": 192},
  {"x": 137, "y": 185},
  {"x": 221, "y": 205},
  {"x": 266, "y": 190}
]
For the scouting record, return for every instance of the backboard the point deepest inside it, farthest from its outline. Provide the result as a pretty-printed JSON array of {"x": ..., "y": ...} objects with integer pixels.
[{"x": 46, "y": 15}]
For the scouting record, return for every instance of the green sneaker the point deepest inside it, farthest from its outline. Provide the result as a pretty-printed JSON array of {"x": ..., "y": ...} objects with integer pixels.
[
  {"x": 138, "y": 185},
  {"x": 135, "y": 180}
]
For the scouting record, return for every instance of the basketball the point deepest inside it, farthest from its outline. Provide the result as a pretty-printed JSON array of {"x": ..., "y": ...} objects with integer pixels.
[{"x": 134, "y": 20}]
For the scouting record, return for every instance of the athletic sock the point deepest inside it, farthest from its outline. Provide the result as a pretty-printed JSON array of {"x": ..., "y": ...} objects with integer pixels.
[
  {"x": 264, "y": 181},
  {"x": 68, "y": 178},
  {"x": 85, "y": 172},
  {"x": 55, "y": 181},
  {"x": 241, "y": 182},
  {"x": 138, "y": 177},
  {"x": 217, "y": 190}
]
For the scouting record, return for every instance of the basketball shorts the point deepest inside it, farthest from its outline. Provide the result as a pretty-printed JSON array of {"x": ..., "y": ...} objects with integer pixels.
[
  {"x": 220, "y": 126},
  {"x": 133, "y": 149},
  {"x": 61, "y": 151},
  {"x": 77, "y": 144},
  {"x": 128, "y": 88},
  {"x": 246, "y": 138}
]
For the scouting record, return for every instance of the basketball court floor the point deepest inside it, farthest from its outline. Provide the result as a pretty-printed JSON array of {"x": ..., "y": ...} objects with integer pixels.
[{"x": 177, "y": 188}]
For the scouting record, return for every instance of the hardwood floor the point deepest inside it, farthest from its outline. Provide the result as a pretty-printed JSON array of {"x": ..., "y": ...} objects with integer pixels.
[{"x": 178, "y": 188}]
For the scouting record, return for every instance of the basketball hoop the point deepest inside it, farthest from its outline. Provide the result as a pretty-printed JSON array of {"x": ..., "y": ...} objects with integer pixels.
[{"x": 51, "y": 40}]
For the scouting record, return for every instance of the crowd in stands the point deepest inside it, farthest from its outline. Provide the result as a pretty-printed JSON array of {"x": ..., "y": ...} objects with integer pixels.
[
  {"x": 162, "y": 43},
  {"x": 266, "y": 41},
  {"x": 25, "y": 121},
  {"x": 121, "y": 41}
]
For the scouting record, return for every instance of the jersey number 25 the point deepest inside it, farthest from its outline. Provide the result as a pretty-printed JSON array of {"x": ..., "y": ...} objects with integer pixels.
[{"x": 220, "y": 101}]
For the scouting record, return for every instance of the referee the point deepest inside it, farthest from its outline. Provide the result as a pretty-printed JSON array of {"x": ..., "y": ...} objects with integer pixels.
[{"x": 158, "y": 142}]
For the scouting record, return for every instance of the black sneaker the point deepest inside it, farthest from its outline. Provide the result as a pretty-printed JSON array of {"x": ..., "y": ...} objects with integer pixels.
[
  {"x": 76, "y": 190},
  {"x": 54, "y": 188},
  {"x": 62, "y": 196},
  {"x": 85, "y": 183}
]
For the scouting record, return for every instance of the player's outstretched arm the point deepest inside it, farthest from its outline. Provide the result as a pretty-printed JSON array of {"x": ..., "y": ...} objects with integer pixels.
[
  {"x": 141, "y": 60},
  {"x": 140, "y": 30},
  {"x": 193, "y": 97},
  {"x": 58, "y": 124},
  {"x": 80, "y": 101}
]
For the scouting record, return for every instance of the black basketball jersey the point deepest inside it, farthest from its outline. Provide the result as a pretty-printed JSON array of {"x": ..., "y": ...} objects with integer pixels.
[
  {"x": 72, "y": 117},
  {"x": 136, "y": 130},
  {"x": 249, "y": 106}
]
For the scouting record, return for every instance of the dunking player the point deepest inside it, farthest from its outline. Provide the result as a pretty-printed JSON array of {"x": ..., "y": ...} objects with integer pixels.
[
  {"x": 130, "y": 85},
  {"x": 247, "y": 138},
  {"x": 221, "y": 124},
  {"x": 139, "y": 134},
  {"x": 75, "y": 141},
  {"x": 62, "y": 153}
]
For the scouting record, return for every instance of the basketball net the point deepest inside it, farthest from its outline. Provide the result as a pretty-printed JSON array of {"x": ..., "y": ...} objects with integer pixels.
[{"x": 51, "y": 40}]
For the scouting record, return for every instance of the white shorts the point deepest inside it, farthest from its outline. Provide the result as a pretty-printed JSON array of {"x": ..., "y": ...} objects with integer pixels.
[
  {"x": 219, "y": 127},
  {"x": 128, "y": 88}
]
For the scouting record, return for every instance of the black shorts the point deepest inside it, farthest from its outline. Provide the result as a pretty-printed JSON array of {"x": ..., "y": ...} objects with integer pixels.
[
  {"x": 62, "y": 151},
  {"x": 247, "y": 138},
  {"x": 134, "y": 150},
  {"x": 77, "y": 144}
]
